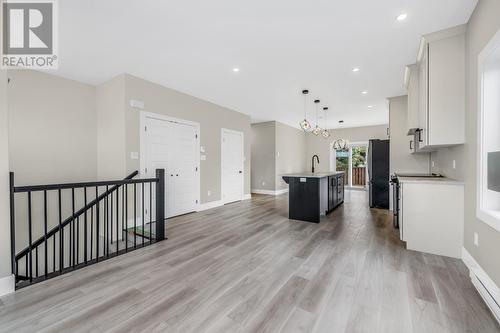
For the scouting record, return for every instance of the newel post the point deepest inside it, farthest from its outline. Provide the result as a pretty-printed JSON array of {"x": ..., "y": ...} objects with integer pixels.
[
  {"x": 12, "y": 224},
  {"x": 160, "y": 205}
]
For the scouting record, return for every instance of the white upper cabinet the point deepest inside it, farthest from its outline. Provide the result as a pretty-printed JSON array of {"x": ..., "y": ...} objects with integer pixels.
[{"x": 437, "y": 116}]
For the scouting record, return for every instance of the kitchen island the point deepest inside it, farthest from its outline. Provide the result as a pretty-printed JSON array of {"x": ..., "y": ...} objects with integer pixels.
[{"x": 312, "y": 195}]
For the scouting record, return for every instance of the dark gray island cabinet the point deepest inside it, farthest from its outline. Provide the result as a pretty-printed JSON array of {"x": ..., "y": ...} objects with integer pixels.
[{"x": 312, "y": 195}]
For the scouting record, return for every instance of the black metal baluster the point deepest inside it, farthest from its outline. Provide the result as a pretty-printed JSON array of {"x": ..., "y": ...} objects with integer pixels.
[
  {"x": 142, "y": 193},
  {"x": 85, "y": 226},
  {"x": 111, "y": 221},
  {"x": 150, "y": 212},
  {"x": 77, "y": 240},
  {"x": 117, "y": 218},
  {"x": 97, "y": 226},
  {"x": 123, "y": 210},
  {"x": 61, "y": 235},
  {"x": 54, "y": 253},
  {"x": 73, "y": 225},
  {"x": 29, "y": 238},
  {"x": 107, "y": 223},
  {"x": 36, "y": 262},
  {"x": 135, "y": 215},
  {"x": 45, "y": 228},
  {"x": 92, "y": 229},
  {"x": 126, "y": 218}
]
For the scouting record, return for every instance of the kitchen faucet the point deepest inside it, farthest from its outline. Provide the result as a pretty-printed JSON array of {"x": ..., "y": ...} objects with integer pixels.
[{"x": 312, "y": 162}]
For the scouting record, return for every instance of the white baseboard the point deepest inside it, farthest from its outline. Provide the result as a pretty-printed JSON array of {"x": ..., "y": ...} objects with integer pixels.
[
  {"x": 486, "y": 287},
  {"x": 270, "y": 192},
  {"x": 247, "y": 196},
  {"x": 209, "y": 205},
  {"x": 7, "y": 285}
]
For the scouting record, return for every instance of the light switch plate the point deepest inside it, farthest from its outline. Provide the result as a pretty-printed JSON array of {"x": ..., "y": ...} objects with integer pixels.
[
  {"x": 476, "y": 239},
  {"x": 134, "y": 155},
  {"x": 203, "y": 157},
  {"x": 202, "y": 149},
  {"x": 454, "y": 164}
]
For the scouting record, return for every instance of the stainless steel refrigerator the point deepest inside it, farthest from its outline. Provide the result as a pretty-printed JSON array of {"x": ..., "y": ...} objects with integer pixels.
[{"x": 378, "y": 173}]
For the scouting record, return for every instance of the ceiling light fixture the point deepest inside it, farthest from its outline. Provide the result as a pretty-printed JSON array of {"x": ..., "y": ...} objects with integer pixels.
[
  {"x": 236, "y": 69},
  {"x": 401, "y": 17},
  {"x": 316, "y": 129},
  {"x": 355, "y": 69},
  {"x": 304, "y": 124},
  {"x": 325, "y": 133},
  {"x": 370, "y": 106},
  {"x": 364, "y": 92}
]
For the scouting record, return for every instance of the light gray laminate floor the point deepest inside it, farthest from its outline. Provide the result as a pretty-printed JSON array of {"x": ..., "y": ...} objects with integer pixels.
[{"x": 245, "y": 267}]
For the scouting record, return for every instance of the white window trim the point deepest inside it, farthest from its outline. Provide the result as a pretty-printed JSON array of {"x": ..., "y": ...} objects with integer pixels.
[
  {"x": 333, "y": 162},
  {"x": 490, "y": 217}
]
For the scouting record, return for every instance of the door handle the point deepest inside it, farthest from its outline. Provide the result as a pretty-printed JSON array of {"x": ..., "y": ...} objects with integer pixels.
[
  {"x": 171, "y": 175},
  {"x": 177, "y": 175},
  {"x": 411, "y": 144},
  {"x": 240, "y": 171}
]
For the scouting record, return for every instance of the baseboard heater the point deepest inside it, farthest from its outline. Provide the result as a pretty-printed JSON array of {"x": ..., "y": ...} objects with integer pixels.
[{"x": 488, "y": 290}]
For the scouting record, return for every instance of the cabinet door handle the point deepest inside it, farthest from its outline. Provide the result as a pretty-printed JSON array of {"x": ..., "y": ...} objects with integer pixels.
[
  {"x": 420, "y": 135},
  {"x": 411, "y": 144}
]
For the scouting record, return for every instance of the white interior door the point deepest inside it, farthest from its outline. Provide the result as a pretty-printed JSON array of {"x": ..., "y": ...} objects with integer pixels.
[
  {"x": 232, "y": 166},
  {"x": 172, "y": 146},
  {"x": 185, "y": 164}
]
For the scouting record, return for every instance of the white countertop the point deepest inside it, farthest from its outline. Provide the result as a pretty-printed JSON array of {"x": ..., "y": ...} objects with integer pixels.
[
  {"x": 430, "y": 180},
  {"x": 312, "y": 175}
]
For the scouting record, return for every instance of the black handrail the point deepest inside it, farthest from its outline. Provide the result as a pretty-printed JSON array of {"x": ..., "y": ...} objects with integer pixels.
[
  {"x": 95, "y": 212},
  {"x": 53, "y": 231}
]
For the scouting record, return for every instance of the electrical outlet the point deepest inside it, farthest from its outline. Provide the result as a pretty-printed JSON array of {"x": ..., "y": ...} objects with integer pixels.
[
  {"x": 454, "y": 164},
  {"x": 476, "y": 239},
  {"x": 209, "y": 193}
]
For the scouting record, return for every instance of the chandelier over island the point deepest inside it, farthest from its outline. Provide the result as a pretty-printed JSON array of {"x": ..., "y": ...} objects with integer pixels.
[{"x": 338, "y": 144}]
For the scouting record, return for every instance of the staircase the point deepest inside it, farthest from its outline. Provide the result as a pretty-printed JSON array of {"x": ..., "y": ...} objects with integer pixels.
[{"x": 115, "y": 217}]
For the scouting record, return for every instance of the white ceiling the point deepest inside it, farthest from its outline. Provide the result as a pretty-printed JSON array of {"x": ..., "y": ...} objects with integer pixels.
[{"x": 280, "y": 46}]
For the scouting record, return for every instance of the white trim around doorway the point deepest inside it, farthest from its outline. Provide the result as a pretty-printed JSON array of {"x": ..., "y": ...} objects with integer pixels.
[
  {"x": 222, "y": 131},
  {"x": 143, "y": 115}
]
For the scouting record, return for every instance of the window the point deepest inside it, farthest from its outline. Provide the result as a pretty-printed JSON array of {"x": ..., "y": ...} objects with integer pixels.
[
  {"x": 488, "y": 192},
  {"x": 353, "y": 162}
]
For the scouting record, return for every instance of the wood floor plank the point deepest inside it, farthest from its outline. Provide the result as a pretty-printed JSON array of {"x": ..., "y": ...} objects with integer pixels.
[{"x": 245, "y": 267}]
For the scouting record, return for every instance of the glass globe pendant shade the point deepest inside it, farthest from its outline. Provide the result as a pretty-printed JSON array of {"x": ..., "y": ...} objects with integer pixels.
[
  {"x": 305, "y": 125},
  {"x": 316, "y": 130}
]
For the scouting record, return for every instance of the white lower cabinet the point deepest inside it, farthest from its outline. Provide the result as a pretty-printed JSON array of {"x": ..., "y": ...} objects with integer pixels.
[{"x": 432, "y": 217}]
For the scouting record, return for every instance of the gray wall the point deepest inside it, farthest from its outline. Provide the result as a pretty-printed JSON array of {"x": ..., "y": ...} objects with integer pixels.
[
  {"x": 321, "y": 147},
  {"x": 290, "y": 152},
  {"x": 401, "y": 159},
  {"x": 110, "y": 102},
  {"x": 484, "y": 23},
  {"x": 4, "y": 180},
  {"x": 212, "y": 119},
  {"x": 52, "y": 128},
  {"x": 263, "y": 151}
]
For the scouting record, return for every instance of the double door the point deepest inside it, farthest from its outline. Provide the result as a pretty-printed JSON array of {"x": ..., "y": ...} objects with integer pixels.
[{"x": 172, "y": 145}]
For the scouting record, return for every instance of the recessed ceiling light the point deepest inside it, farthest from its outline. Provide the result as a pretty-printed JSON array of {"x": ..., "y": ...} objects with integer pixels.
[
  {"x": 370, "y": 106},
  {"x": 355, "y": 69},
  {"x": 364, "y": 92},
  {"x": 401, "y": 17},
  {"x": 236, "y": 69}
]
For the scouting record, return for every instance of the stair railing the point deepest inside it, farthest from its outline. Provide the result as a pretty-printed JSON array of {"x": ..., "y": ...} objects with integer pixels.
[{"x": 101, "y": 229}]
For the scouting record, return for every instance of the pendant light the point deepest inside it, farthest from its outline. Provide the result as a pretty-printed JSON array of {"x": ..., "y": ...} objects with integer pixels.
[
  {"x": 316, "y": 129},
  {"x": 304, "y": 124},
  {"x": 325, "y": 133}
]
